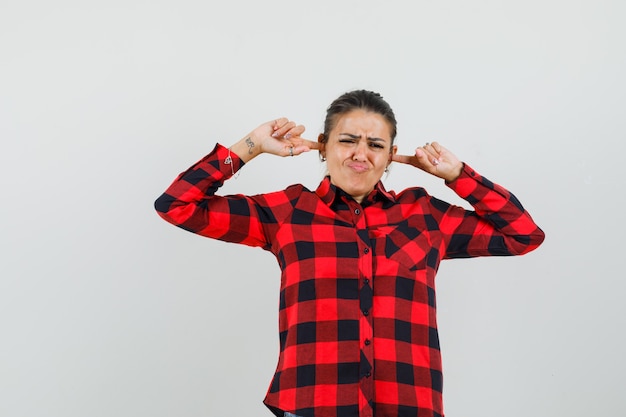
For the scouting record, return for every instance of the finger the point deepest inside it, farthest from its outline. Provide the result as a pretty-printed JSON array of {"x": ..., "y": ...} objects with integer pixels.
[
  {"x": 295, "y": 131},
  {"x": 298, "y": 150},
  {"x": 430, "y": 148},
  {"x": 431, "y": 153},
  {"x": 428, "y": 161},
  {"x": 278, "y": 123},
  {"x": 403, "y": 159},
  {"x": 282, "y": 130},
  {"x": 301, "y": 145},
  {"x": 308, "y": 144},
  {"x": 295, "y": 150}
]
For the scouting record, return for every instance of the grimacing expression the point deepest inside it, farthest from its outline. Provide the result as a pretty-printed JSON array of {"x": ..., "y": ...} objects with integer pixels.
[{"x": 357, "y": 151}]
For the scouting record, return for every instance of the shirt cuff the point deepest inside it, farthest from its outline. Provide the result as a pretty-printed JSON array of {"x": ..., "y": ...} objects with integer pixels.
[
  {"x": 221, "y": 159},
  {"x": 467, "y": 182}
]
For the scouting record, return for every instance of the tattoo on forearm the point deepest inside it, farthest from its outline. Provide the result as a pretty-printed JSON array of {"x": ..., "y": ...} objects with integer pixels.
[{"x": 250, "y": 145}]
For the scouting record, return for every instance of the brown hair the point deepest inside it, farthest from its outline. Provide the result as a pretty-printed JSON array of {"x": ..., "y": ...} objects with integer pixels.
[{"x": 358, "y": 99}]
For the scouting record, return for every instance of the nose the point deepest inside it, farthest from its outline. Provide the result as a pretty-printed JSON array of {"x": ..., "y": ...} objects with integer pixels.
[{"x": 360, "y": 151}]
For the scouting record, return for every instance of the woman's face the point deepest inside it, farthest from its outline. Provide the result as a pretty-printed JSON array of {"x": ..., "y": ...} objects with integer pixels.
[{"x": 358, "y": 151}]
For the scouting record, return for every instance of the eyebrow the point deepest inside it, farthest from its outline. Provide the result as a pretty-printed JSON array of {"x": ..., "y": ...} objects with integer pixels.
[{"x": 359, "y": 137}]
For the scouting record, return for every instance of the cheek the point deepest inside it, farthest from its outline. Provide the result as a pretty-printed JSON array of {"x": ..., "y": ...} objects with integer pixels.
[
  {"x": 337, "y": 156},
  {"x": 383, "y": 161},
  {"x": 333, "y": 162}
]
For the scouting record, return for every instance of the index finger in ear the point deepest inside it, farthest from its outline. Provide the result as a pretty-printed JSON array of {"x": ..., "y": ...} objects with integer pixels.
[
  {"x": 403, "y": 159},
  {"x": 310, "y": 144}
]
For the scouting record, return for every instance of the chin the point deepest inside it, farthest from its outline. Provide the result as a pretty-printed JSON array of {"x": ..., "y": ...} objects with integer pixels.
[
  {"x": 364, "y": 191},
  {"x": 356, "y": 188}
]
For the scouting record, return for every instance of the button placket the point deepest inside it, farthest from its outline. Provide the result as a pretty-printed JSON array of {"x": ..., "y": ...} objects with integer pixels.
[{"x": 365, "y": 300}]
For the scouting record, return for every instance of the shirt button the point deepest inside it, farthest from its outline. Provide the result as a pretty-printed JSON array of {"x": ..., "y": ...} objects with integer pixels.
[
  {"x": 357, "y": 211},
  {"x": 366, "y": 312},
  {"x": 367, "y": 281},
  {"x": 366, "y": 251},
  {"x": 368, "y": 374},
  {"x": 367, "y": 342}
]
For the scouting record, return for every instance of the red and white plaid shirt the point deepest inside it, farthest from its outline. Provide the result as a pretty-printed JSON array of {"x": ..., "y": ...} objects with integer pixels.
[{"x": 357, "y": 319}]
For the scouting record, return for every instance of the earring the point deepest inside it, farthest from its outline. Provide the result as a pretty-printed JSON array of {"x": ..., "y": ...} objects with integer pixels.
[{"x": 322, "y": 158}]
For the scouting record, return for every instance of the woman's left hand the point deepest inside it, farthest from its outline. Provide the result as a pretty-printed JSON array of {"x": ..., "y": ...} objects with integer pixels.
[{"x": 434, "y": 159}]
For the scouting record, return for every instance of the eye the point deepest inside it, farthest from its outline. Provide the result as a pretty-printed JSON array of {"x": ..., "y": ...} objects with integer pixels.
[
  {"x": 377, "y": 145},
  {"x": 347, "y": 140}
]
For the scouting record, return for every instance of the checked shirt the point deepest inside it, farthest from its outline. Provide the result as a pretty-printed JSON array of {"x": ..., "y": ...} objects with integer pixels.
[{"x": 357, "y": 319}]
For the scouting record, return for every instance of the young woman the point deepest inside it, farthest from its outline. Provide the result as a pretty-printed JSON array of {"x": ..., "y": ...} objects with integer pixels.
[{"x": 357, "y": 319}]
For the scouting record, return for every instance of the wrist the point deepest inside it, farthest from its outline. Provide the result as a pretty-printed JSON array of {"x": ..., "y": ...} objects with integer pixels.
[
  {"x": 456, "y": 173},
  {"x": 247, "y": 148}
]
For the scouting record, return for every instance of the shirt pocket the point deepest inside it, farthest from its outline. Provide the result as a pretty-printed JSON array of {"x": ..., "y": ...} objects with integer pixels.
[{"x": 404, "y": 243}]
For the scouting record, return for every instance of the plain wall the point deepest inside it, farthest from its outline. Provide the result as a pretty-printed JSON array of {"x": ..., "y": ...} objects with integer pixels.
[{"x": 106, "y": 310}]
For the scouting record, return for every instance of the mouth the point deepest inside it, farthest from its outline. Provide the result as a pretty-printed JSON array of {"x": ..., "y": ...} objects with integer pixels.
[{"x": 358, "y": 167}]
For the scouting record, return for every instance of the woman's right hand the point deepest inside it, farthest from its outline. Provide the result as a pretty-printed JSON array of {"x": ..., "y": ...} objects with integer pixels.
[{"x": 280, "y": 137}]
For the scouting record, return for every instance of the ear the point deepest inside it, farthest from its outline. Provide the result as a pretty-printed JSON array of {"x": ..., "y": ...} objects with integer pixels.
[
  {"x": 394, "y": 150},
  {"x": 321, "y": 139}
]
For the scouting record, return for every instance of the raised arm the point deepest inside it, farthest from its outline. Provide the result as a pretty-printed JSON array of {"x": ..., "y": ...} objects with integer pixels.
[
  {"x": 190, "y": 201},
  {"x": 499, "y": 224}
]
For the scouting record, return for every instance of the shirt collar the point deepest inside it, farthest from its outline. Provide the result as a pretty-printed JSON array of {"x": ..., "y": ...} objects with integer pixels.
[{"x": 329, "y": 192}]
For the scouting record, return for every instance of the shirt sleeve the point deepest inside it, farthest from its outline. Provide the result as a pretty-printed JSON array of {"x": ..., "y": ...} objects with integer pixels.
[
  {"x": 498, "y": 226},
  {"x": 191, "y": 204}
]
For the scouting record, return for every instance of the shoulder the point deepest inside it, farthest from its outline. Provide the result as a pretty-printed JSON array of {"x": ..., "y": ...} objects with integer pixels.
[
  {"x": 411, "y": 194},
  {"x": 419, "y": 197},
  {"x": 288, "y": 195}
]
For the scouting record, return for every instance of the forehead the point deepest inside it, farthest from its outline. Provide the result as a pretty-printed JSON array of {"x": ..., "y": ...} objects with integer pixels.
[{"x": 363, "y": 122}]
